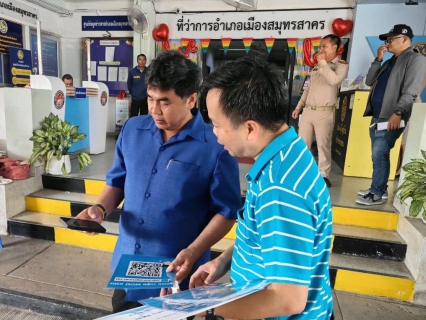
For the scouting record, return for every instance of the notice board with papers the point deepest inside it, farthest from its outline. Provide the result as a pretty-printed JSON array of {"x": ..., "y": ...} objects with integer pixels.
[{"x": 111, "y": 60}]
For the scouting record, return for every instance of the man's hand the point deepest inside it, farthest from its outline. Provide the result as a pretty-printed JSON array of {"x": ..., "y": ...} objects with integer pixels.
[
  {"x": 182, "y": 264},
  {"x": 320, "y": 56},
  {"x": 92, "y": 213},
  {"x": 295, "y": 113},
  {"x": 394, "y": 122},
  {"x": 381, "y": 51},
  {"x": 208, "y": 273}
]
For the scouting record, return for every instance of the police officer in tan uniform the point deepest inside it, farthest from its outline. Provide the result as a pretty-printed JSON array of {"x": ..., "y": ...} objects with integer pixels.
[{"x": 319, "y": 100}]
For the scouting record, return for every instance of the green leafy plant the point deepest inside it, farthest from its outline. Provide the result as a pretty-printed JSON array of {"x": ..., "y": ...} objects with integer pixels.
[
  {"x": 54, "y": 140},
  {"x": 414, "y": 185}
]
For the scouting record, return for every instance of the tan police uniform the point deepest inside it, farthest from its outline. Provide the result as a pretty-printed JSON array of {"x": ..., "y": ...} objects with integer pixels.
[{"x": 318, "y": 101}]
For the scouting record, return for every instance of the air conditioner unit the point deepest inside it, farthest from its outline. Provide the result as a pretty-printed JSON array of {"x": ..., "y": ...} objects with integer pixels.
[{"x": 243, "y": 5}]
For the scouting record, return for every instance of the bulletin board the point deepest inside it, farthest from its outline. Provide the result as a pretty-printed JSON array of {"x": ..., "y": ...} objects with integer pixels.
[{"x": 111, "y": 60}]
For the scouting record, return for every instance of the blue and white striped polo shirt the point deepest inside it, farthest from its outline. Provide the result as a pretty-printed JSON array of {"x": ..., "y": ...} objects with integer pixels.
[{"x": 284, "y": 231}]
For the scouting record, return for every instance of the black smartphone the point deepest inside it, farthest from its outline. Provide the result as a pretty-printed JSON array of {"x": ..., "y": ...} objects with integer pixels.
[{"x": 82, "y": 225}]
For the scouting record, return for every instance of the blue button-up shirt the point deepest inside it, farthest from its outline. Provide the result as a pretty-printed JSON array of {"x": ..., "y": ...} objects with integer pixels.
[
  {"x": 172, "y": 189},
  {"x": 136, "y": 83}
]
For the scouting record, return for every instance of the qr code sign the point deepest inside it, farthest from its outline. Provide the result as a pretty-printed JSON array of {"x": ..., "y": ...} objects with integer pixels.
[{"x": 144, "y": 269}]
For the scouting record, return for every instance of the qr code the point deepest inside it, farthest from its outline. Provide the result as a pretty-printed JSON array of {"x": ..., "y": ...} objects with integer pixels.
[{"x": 144, "y": 269}]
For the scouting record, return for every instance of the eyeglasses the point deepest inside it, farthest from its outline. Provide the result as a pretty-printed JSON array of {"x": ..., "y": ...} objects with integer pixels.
[{"x": 390, "y": 40}]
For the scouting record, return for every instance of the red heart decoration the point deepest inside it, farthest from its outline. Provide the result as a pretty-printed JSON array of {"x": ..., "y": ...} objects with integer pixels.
[
  {"x": 341, "y": 27},
  {"x": 161, "y": 33}
]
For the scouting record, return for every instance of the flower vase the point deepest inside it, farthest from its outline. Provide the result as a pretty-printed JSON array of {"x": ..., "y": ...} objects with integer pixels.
[{"x": 55, "y": 166}]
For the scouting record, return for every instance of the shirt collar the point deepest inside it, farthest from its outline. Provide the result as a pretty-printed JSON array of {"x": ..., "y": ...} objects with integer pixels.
[
  {"x": 270, "y": 151},
  {"x": 194, "y": 128}
]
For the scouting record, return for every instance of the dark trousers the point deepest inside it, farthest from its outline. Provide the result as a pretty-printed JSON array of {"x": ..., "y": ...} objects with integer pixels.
[
  {"x": 138, "y": 107},
  {"x": 119, "y": 302}
]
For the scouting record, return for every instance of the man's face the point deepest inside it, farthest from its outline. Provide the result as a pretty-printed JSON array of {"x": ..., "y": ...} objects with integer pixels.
[
  {"x": 395, "y": 44},
  {"x": 141, "y": 62},
  {"x": 232, "y": 139},
  {"x": 169, "y": 111},
  {"x": 328, "y": 48},
  {"x": 68, "y": 82}
]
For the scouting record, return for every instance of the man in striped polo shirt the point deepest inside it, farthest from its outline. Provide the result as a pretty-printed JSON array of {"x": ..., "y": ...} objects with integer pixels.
[{"x": 285, "y": 227}]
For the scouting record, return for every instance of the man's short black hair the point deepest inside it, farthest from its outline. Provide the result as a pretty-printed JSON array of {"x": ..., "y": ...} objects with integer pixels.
[
  {"x": 141, "y": 55},
  {"x": 251, "y": 89},
  {"x": 171, "y": 70},
  {"x": 67, "y": 76},
  {"x": 334, "y": 40}
]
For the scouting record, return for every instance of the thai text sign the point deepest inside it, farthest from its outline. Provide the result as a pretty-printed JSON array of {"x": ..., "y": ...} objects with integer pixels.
[
  {"x": 20, "y": 66},
  {"x": 10, "y": 35},
  {"x": 237, "y": 25},
  {"x": 105, "y": 23},
  {"x": 17, "y": 10}
]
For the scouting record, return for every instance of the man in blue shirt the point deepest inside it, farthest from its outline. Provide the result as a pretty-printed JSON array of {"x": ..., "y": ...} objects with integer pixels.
[
  {"x": 284, "y": 230},
  {"x": 181, "y": 188},
  {"x": 137, "y": 87}
]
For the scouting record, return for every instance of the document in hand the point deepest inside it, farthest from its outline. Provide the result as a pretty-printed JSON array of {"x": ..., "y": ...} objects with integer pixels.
[
  {"x": 188, "y": 303},
  {"x": 384, "y": 125},
  {"x": 142, "y": 272}
]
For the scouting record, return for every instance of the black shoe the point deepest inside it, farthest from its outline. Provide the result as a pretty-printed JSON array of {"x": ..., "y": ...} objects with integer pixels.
[{"x": 327, "y": 182}]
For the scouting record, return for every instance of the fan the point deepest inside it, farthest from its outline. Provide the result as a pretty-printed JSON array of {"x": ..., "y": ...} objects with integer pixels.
[
  {"x": 244, "y": 5},
  {"x": 138, "y": 21}
]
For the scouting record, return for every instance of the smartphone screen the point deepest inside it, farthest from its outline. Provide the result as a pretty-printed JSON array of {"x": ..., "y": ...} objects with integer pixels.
[{"x": 82, "y": 225}]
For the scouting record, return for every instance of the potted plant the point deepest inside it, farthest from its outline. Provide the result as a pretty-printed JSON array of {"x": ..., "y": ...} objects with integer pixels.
[
  {"x": 414, "y": 186},
  {"x": 51, "y": 145}
]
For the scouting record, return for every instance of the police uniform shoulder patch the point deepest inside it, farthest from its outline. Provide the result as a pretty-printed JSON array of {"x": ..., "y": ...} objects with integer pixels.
[{"x": 343, "y": 61}]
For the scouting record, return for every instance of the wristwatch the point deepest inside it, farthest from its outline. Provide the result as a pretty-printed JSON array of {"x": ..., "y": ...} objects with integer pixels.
[
  {"x": 398, "y": 113},
  {"x": 378, "y": 59},
  {"x": 211, "y": 316}
]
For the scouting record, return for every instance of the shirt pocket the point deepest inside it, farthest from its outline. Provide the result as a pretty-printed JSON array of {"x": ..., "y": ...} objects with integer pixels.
[{"x": 183, "y": 175}]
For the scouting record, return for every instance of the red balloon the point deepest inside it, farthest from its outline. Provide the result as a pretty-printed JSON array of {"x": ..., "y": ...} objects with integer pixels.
[
  {"x": 191, "y": 47},
  {"x": 161, "y": 33},
  {"x": 341, "y": 27},
  {"x": 184, "y": 53},
  {"x": 166, "y": 45},
  {"x": 341, "y": 49}
]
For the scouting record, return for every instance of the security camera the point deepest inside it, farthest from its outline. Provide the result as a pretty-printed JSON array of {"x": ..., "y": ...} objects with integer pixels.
[{"x": 178, "y": 10}]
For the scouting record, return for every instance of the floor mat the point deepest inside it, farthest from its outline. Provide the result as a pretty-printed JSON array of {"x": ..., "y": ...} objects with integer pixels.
[{"x": 12, "y": 313}]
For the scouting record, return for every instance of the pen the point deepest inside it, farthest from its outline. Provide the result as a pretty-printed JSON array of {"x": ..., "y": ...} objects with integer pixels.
[{"x": 168, "y": 164}]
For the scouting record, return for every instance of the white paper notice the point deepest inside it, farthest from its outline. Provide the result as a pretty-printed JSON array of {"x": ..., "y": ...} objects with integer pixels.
[
  {"x": 109, "y": 54},
  {"x": 112, "y": 74},
  {"x": 123, "y": 73},
  {"x": 102, "y": 73},
  {"x": 93, "y": 68}
]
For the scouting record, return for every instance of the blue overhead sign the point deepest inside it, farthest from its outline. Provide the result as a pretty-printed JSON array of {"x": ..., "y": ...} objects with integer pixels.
[{"x": 105, "y": 23}]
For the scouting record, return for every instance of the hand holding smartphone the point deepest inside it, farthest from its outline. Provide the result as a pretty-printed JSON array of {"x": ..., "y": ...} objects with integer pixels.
[{"x": 82, "y": 225}]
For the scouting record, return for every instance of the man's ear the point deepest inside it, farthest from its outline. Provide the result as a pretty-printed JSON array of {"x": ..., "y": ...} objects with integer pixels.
[
  {"x": 253, "y": 129},
  {"x": 191, "y": 100}
]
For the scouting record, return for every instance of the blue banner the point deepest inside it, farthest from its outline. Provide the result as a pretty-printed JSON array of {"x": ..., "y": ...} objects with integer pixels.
[
  {"x": 80, "y": 93},
  {"x": 49, "y": 51},
  {"x": 20, "y": 66},
  {"x": 10, "y": 35},
  {"x": 105, "y": 23}
]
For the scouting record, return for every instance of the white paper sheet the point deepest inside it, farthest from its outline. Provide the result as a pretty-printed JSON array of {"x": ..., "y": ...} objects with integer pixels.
[
  {"x": 93, "y": 68},
  {"x": 102, "y": 73},
  {"x": 109, "y": 54},
  {"x": 384, "y": 125},
  {"x": 112, "y": 74},
  {"x": 123, "y": 73}
]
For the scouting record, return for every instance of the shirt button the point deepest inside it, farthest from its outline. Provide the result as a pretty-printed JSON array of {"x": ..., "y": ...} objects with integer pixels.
[
  {"x": 162, "y": 148},
  {"x": 141, "y": 221},
  {"x": 154, "y": 171},
  {"x": 147, "y": 195},
  {"x": 137, "y": 246}
]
